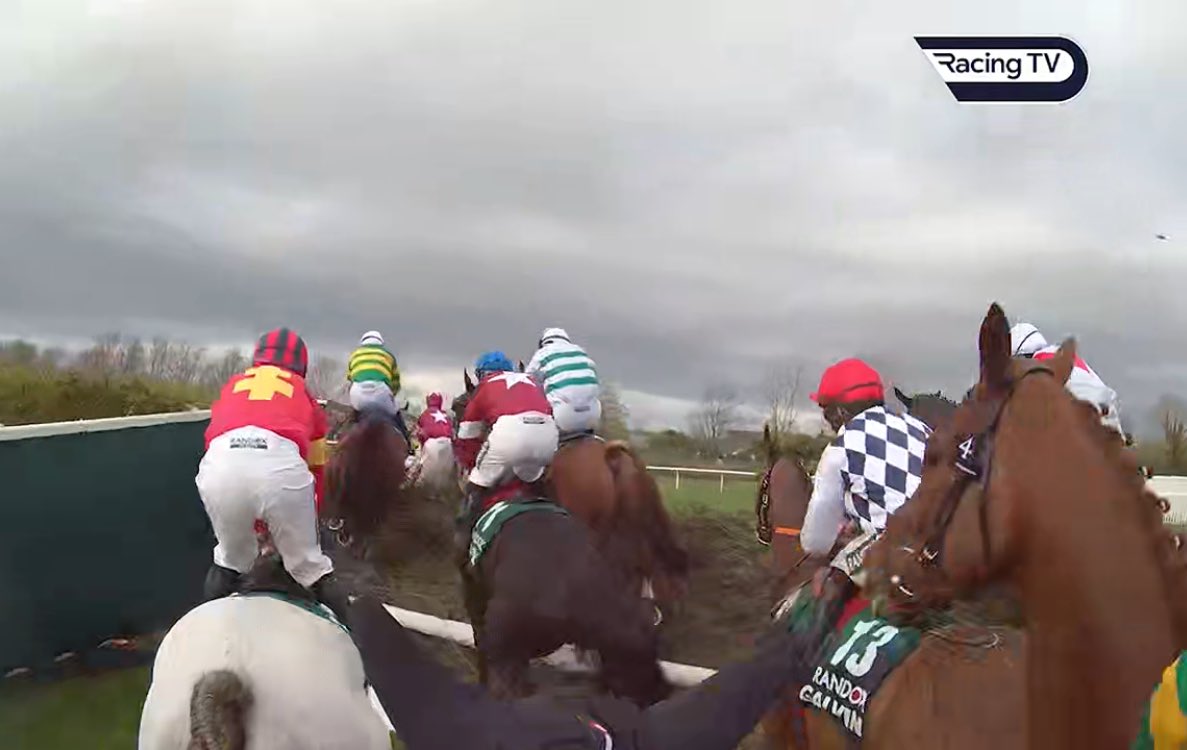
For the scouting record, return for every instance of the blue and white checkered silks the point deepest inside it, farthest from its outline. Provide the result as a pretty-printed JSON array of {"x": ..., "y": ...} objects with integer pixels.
[{"x": 883, "y": 464}]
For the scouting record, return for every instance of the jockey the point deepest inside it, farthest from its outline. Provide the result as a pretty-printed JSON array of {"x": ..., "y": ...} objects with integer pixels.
[
  {"x": 522, "y": 437},
  {"x": 265, "y": 451},
  {"x": 375, "y": 380},
  {"x": 430, "y": 706},
  {"x": 1084, "y": 383},
  {"x": 433, "y": 423},
  {"x": 570, "y": 382},
  {"x": 866, "y": 473}
]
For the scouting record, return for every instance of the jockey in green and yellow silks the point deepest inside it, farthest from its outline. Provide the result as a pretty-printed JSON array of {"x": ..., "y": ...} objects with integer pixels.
[
  {"x": 375, "y": 380},
  {"x": 1164, "y": 724}
]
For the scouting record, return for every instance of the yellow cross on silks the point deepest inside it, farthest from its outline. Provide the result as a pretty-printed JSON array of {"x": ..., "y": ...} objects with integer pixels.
[{"x": 264, "y": 382}]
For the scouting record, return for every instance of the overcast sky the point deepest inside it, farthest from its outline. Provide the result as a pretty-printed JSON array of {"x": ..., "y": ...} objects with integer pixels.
[{"x": 693, "y": 189}]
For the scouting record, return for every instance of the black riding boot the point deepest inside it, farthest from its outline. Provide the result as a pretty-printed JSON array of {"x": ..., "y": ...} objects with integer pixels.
[
  {"x": 837, "y": 590},
  {"x": 472, "y": 497},
  {"x": 220, "y": 582},
  {"x": 330, "y": 592}
]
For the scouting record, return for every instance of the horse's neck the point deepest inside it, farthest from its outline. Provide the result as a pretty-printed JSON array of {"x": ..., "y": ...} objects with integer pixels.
[
  {"x": 789, "y": 506},
  {"x": 1099, "y": 624}
]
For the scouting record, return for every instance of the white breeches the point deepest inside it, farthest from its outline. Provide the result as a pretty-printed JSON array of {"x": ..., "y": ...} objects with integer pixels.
[
  {"x": 520, "y": 445},
  {"x": 372, "y": 394},
  {"x": 575, "y": 417},
  {"x": 252, "y": 473},
  {"x": 851, "y": 558}
]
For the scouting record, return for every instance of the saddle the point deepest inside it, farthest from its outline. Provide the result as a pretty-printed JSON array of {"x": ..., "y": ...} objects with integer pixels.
[
  {"x": 576, "y": 437},
  {"x": 853, "y": 660}
]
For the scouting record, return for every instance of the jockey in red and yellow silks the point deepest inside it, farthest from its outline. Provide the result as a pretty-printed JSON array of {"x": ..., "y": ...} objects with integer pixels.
[{"x": 265, "y": 454}]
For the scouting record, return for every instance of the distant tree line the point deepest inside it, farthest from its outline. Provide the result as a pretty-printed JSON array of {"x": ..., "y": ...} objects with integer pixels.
[{"x": 114, "y": 356}]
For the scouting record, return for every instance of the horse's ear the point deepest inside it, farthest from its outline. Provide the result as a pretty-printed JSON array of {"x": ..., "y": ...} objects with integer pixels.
[
  {"x": 907, "y": 402},
  {"x": 521, "y": 367},
  {"x": 466, "y": 377},
  {"x": 1064, "y": 360},
  {"x": 995, "y": 350}
]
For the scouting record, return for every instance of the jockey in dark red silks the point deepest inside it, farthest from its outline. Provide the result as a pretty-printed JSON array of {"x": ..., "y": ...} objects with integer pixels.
[
  {"x": 433, "y": 423},
  {"x": 265, "y": 452},
  {"x": 506, "y": 434}
]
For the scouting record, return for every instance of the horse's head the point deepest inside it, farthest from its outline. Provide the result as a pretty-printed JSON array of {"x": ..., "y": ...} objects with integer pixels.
[
  {"x": 458, "y": 405},
  {"x": 933, "y": 409},
  {"x": 960, "y": 529}
]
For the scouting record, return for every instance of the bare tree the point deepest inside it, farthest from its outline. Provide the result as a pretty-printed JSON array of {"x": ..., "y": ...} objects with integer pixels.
[
  {"x": 327, "y": 378},
  {"x": 717, "y": 413},
  {"x": 133, "y": 359},
  {"x": 184, "y": 363},
  {"x": 780, "y": 389},
  {"x": 105, "y": 357},
  {"x": 1171, "y": 415},
  {"x": 220, "y": 370},
  {"x": 157, "y": 363},
  {"x": 614, "y": 424}
]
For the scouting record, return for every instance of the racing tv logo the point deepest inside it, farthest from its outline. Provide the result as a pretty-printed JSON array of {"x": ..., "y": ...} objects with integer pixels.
[{"x": 1007, "y": 68}]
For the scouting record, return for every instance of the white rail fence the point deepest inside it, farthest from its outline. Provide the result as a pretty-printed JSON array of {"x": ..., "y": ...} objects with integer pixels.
[{"x": 720, "y": 473}]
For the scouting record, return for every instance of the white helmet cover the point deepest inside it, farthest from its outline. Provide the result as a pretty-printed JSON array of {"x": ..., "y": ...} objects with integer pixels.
[
  {"x": 372, "y": 338},
  {"x": 553, "y": 333},
  {"x": 1025, "y": 340}
]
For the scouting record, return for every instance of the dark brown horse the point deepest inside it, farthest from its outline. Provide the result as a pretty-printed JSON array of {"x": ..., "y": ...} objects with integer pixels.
[
  {"x": 934, "y": 409},
  {"x": 364, "y": 476},
  {"x": 920, "y": 704},
  {"x": 606, "y": 485},
  {"x": 1026, "y": 486},
  {"x": 543, "y": 584}
]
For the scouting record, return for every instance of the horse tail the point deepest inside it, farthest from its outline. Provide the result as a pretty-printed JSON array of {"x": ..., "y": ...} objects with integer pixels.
[
  {"x": 218, "y": 710},
  {"x": 644, "y": 510}
]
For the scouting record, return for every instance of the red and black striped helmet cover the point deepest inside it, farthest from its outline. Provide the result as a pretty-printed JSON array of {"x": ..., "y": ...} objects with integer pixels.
[{"x": 283, "y": 348}]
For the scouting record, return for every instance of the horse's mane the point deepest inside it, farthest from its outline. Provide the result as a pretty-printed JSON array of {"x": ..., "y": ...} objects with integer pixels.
[{"x": 1149, "y": 509}]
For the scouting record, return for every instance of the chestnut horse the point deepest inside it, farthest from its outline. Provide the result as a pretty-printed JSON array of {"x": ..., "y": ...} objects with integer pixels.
[
  {"x": 608, "y": 487},
  {"x": 779, "y": 509},
  {"x": 1026, "y": 486},
  {"x": 921, "y": 704}
]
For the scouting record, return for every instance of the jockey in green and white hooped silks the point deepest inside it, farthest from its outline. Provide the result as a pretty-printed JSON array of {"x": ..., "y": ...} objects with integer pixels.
[{"x": 570, "y": 381}]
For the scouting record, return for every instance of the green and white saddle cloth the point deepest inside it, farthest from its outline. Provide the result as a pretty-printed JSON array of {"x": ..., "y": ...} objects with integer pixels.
[{"x": 490, "y": 523}]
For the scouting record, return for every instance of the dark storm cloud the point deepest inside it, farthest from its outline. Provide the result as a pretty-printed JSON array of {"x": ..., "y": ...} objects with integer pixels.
[{"x": 694, "y": 191}]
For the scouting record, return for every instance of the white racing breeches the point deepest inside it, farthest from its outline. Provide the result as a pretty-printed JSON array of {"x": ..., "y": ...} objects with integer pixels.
[
  {"x": 576, "y": 417},
  {"x": 372, "y": 394},
  {"x": 519, "y": 445},
  {"x": 252, "y": 473},
  {"x": 851, "y": 559}
]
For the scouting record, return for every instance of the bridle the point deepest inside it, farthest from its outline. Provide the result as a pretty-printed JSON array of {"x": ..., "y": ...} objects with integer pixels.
[
  {"x": 763, "y": 530},
  {"x": 973, "y": 467}
]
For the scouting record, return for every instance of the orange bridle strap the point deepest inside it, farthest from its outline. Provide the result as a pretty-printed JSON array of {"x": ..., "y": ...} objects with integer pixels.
[{"x": 786, "y": 531}]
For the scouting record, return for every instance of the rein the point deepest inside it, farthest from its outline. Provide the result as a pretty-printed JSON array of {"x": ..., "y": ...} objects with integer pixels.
[{"x": 973, "y": 464}]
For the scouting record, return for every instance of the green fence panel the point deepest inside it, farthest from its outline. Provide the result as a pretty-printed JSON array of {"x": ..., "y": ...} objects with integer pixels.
[{"x": 101, "y": 534}]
